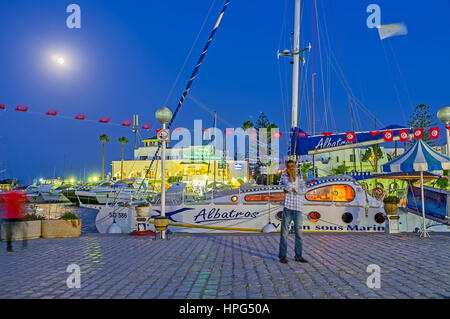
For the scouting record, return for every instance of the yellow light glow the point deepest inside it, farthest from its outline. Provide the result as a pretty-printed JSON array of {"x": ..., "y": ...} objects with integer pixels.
[
  {"x": 72, "y": 180},
  {"x": 95, "y": 178}
]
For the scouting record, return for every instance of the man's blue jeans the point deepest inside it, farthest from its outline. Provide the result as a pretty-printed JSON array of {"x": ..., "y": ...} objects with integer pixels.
[{"x": 290, "y": 215}]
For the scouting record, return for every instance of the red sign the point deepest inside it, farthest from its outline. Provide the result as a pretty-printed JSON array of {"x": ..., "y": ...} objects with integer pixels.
[
  {"x": 80, "y": 117},
  {"x": 51, "y": 112},
  {"x": 388, "y": 136},
  {"x": 373, "y": 133},
  {"x": 21, "y": 108},
  {"x": 434, "y": 132},
  {"x": 418, "y": 133},
  {"x": 350, "y": 136},
  {"x": 404, "y": 135}
]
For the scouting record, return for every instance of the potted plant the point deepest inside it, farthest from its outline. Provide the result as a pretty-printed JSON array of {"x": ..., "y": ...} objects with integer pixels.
[
  {"x": 390, "y": 205},
  {"x": 68, "y": 225},
  {"x": 30, "y": 228},
  {"x": 143, "y": 209}
]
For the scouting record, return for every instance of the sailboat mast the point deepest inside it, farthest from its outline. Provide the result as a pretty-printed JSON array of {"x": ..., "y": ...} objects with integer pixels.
[{"x": 295, "y": 65}]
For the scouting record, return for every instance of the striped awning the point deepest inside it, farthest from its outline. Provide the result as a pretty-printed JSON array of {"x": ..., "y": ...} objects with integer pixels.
[{"x": 420, "y": 157}]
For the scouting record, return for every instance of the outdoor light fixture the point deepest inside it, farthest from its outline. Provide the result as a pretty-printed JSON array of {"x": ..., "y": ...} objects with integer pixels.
[
  {"x": 163, "y": 115},
  {"x": 444, "y": 116}
]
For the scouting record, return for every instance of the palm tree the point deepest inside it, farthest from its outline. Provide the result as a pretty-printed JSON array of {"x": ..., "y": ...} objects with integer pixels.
[
  {"x": 122, "y": 140},
  {"x": 104, "y": 139}
]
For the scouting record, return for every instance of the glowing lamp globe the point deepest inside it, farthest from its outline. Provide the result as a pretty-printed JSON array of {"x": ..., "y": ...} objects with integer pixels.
[
  {"x": 444, "y": 114},
  {"x": 163, "y": 115}
]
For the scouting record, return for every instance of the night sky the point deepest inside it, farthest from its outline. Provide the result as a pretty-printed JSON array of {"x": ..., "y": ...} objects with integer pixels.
[{"x": 127, "y": 54}]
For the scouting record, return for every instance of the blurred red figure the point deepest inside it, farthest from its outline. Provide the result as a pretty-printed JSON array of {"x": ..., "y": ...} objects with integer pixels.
[{"x": 13, "y": 211}]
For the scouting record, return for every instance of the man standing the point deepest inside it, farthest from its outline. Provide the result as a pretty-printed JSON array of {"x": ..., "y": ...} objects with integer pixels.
[{"x": 294, "y": 191}]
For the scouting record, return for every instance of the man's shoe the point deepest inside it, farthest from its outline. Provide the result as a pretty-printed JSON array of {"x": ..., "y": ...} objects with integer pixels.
[
  {"x": 301, "y": 260},
  {"x": 283, "y": 260}
]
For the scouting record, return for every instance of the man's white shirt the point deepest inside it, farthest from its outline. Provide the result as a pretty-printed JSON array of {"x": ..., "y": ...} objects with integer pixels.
[{"x": 293, "y": 200}]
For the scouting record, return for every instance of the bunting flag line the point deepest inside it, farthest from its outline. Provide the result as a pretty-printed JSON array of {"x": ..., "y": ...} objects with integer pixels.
[
  {"x": 2, "y": 107},
  {"x": 388, "y": 136},
  {"x": 126, "y": 123},
  {"x": 327, "y": 133},
  {"x": 373, "y": 133},
  {"x": 21, "y": 108},
  {"x": 418, "y": 133},
  {"x": 404, "y": 135},
  {"x": 52, "y": 112},
  {"x": 146, "y": 126},
  {"x": 104, "y": 119},
  {"x": 434, "y": 133},
  {"x": 350, "y": 137},
  {"x": 80, "y": 117}
]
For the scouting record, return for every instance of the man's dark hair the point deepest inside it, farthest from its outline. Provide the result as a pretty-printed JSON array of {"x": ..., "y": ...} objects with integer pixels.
[{"x": 290, "y": 161}]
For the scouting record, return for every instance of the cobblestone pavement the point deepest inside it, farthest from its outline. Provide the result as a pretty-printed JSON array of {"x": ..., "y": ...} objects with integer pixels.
[{"x": 228, "y": 266}]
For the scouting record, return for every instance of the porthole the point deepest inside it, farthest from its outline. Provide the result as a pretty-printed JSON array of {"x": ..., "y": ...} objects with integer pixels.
[{"x": 347, "y": 218}]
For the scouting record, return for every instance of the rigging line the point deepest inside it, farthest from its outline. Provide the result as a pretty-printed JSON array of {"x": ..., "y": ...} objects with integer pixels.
[
  {"x": 393, "y": 81},
  {"x": 192, "y": 78},
  {"x": 283, "y": 104},
  {"x": 341, "y": 59},
  {"x": 189, "y": 53},
  {"x": 327, "y": 37},
  {"x": 321, "y": 69},
  {"x": 401, "y": 74},
  {"x": 203, "y": 106}
]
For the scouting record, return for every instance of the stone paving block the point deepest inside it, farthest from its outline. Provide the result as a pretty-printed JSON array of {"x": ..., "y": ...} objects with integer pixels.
[{"x": 229, "y": 266}]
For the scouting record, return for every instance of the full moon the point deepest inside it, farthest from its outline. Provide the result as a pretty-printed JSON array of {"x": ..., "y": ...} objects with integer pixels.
[{"x": 58, "y": 59}]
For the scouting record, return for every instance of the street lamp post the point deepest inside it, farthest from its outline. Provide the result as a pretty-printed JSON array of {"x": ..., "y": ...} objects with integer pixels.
[
  {"x": 163, "y": 115},
  {"x": 444, "y": 116}
]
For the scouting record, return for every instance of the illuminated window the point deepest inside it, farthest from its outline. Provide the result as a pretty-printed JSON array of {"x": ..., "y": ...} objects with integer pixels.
[
  {"x": 331, "y": 193},
  {"x": 264, "y": 197}
]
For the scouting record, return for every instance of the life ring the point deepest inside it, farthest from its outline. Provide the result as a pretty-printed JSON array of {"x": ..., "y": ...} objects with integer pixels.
[{"x": 378, "y": 193}]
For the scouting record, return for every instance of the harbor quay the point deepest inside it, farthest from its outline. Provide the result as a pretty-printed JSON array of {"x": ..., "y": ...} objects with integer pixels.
[{"x": 227, "y": 266}]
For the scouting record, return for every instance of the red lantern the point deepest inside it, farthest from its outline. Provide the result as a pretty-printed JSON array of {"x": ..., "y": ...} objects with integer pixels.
[
  {"x": 418, "y": 133},
  {"x": 104, "y": 119},
  {"x": 404, "y": 135},
  {"x": 80, "y": 117},
  {"x": 21, "y": 108},
  {"x": 350, "y": 137},
  {"x": 434, "y": 133},
  {"x": 388, "y": 136},
  {"x": 146, "y": 126},
  {"x": 2, "y": 107},
  {"x": 52, "y": 112},
  {"x": 126, "y": 123}
]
